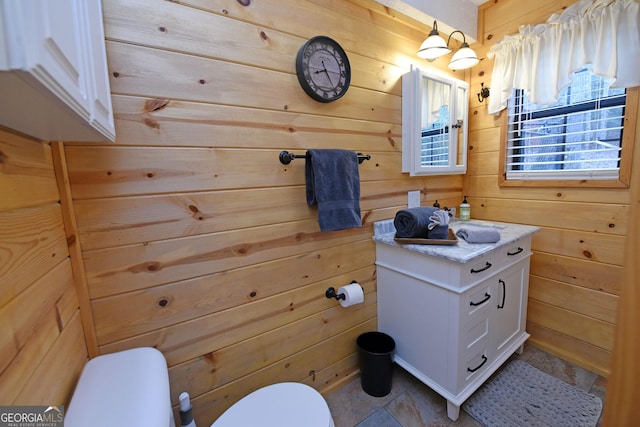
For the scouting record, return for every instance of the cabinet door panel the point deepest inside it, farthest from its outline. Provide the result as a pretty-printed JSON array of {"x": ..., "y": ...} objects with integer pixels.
[
  {"x": 56, "y": 84},
  {"x": 511, "y": 305},
  {"x": 100, "y": 94},
  {"x": 56, "y": 56}
]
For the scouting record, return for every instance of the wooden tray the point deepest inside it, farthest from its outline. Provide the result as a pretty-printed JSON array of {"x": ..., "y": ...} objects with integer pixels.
[{"x": 452, "y": 240}]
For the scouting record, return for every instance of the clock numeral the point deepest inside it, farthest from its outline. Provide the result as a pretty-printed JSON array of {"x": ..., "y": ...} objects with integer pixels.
[{"x": 309, "y": 51}]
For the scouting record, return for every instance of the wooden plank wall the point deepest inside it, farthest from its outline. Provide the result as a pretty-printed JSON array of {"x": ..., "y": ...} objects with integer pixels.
[
  {"x": 42, "y": 345},
  {"x": 576, "y": 269},
  {"x": 625, "y": 365},
  {"x": 197, "y": 241},
  {"x": 195, "y": 238}
]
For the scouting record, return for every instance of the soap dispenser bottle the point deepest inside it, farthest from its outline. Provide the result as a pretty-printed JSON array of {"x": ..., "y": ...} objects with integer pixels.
[{"x": 465, "y": 209}]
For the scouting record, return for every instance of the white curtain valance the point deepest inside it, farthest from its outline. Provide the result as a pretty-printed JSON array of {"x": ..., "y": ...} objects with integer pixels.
[{"x": 540, "y": 59}]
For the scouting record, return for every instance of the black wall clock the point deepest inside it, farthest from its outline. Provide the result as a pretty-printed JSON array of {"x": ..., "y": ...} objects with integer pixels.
[{"x": 323, "y": 69}]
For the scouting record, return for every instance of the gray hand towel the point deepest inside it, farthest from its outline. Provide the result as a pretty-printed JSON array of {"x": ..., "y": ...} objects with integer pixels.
[
  {"x": 333, "y": 183},
  {"x": 473, "y": 234},
  {"x": 413, "y": 222}
]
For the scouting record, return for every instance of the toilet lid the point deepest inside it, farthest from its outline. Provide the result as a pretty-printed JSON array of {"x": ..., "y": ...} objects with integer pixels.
[
  {"x": 278, "y": 405},
  {"x": 128, "y": 387}
]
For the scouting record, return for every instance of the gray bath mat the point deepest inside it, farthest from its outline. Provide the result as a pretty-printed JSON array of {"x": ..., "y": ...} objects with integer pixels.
[{"x": 521, "y": 395}]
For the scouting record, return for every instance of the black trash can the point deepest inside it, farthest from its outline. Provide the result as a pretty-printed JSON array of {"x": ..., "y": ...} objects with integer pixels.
[{"x": 375, "y": 354}]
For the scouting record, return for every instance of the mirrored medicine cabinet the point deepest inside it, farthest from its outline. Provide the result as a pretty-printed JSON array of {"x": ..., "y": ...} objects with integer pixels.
[{"x": 434, "y": 123}]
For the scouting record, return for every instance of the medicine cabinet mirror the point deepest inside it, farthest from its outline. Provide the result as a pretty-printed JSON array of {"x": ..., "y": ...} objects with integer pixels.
[{"x": 434, "y": 123}]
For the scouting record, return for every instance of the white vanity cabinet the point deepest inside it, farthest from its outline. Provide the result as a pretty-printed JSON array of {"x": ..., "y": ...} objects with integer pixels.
[
  {"x": 53, "y": 70},
  {"x": 456, "y": 313}
]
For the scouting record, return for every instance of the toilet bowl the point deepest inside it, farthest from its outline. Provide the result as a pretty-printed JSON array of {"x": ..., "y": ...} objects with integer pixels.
[
  {"x": 278, "y": 405},
  {"x": 131, "y": 388}
]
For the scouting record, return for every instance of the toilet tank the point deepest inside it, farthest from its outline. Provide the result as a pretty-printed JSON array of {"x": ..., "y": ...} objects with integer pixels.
[{"x": 127, "y": 388}]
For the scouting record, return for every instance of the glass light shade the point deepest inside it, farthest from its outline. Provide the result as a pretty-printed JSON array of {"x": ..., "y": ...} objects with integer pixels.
[
  {"x": 464, "y": 58},
  {"x": 433, "y": 47}
]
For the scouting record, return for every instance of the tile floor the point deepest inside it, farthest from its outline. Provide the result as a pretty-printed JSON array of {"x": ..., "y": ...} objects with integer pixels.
[{"x": 413, "y": 404}]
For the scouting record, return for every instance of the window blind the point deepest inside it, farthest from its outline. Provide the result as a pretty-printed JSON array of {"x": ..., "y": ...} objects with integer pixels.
[{"x": 578, "y": 137}]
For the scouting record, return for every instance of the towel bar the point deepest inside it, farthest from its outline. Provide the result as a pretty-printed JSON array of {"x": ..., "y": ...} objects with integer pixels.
[{"x": 287, "y": 157}]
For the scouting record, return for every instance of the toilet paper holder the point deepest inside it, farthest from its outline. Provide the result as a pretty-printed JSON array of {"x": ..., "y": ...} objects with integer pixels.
[{"x": 331, "y": 293}]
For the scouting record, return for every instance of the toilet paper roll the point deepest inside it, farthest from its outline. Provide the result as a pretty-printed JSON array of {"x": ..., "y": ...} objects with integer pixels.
[{"x": 353, "y": 294}]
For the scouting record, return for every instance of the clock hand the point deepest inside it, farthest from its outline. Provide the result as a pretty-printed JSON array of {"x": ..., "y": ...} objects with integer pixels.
[{"x": 327, "y": 72}]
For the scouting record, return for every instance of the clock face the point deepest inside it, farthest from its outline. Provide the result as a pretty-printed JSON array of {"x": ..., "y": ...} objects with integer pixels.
[{"x": 323, "y": 69}]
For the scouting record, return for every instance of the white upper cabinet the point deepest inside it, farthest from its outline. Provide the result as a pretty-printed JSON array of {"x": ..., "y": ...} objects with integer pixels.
[
  {"x": 434, "y": 123},
  {"x": 53, "y": 70}
]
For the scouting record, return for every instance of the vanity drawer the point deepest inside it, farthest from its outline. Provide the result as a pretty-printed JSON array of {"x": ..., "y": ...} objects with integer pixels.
[
  {"x": 475, "y": 313},
  {"x": 477, "y": 299},
  {"x": 514, "y": 251},
  {"x": 475, "y": 331},
  {"x": 475, "y": 362},
  {"x": 478, "y": 269}
]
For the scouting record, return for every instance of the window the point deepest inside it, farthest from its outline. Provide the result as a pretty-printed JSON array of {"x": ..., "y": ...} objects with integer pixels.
[{"x": 580, "y": 138}]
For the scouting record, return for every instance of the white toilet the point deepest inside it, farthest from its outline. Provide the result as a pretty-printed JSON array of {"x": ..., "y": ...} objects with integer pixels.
[{"x": 131, "y": 388}]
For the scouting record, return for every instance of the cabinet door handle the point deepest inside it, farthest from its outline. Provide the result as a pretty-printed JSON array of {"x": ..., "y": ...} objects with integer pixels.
[
  {"x": 516, "y": 252},
  {"x": 504, "y": 293},
  {"x": 486, "y": 267},
  {"x": 484, "y": 360},
  {"x": 486, "y": 298}
]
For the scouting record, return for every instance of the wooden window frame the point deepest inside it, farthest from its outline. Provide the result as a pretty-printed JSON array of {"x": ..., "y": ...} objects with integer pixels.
[{"x": 626, "y": 160}]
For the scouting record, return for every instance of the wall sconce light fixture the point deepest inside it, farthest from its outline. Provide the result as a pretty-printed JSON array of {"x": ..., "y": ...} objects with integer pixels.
[
  {"x": 434, "y": 47},
  {"x": 484, "y": 92}
]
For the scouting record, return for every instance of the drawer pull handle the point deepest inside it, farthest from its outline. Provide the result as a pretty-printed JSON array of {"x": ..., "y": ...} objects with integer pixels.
[
  {"x": 504, "y": 293},
  {"x": 516, "y": 252},
  {"x": 486, "y": 267},
  {"x": 484, "y": 360},
  {"x": 486, "y": 298}
]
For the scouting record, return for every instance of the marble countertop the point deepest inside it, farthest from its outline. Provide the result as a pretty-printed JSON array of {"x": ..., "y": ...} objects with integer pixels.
[{"x": 462, "y": 251}]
